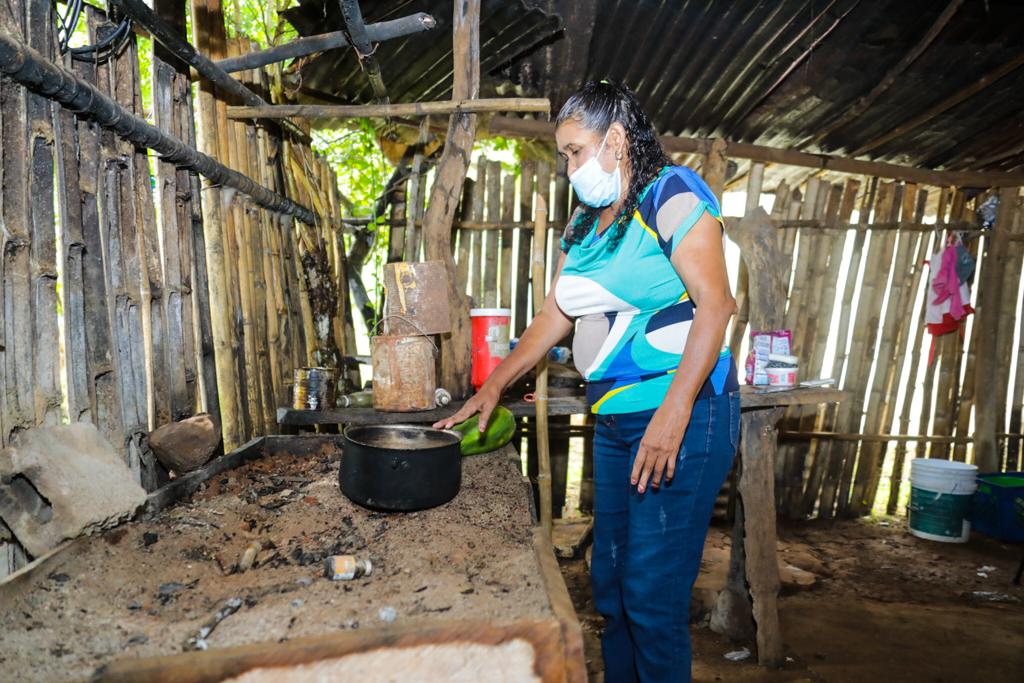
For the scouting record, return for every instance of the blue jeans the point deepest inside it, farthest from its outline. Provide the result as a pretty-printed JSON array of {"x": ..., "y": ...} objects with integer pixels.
[{"x": 647, "y": 547}]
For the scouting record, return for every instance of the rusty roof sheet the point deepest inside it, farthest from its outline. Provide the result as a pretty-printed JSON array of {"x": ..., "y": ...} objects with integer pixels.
[{"x": 773, "y": 72}]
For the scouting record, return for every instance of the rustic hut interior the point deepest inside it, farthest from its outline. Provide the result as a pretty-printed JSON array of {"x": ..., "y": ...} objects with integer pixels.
[{"x": 254, "y": 252}]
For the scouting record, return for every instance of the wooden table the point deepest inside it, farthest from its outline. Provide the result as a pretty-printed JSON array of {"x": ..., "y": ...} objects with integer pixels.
[
  {"x": 753, "y": 561},
  {"x": 754, "y": 553}
]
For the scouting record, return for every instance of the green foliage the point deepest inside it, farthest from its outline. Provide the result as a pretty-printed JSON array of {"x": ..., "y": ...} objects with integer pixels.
[{"x": 260, "y": 21}]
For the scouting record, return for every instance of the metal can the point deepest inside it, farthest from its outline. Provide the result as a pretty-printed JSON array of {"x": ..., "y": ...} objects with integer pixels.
[
  {"x": 313, "y": 388},
  {"x": 346, "y": 567}
]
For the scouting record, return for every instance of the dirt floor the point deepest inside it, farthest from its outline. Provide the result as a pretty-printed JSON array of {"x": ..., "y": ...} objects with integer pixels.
[
  {"x": 146, "y": 588},
  {"x": 866, "y": 602}
]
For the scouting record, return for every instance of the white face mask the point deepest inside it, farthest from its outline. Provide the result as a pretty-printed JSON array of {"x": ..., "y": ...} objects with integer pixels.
[{"x": 595, "y": 186}]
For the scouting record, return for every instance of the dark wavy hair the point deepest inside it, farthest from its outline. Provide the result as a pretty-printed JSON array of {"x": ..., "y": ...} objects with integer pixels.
[{"x": 596, "y": 106}]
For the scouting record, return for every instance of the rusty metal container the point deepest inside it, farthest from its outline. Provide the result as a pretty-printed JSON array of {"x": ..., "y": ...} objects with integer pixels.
[
  {"x": 404, "y": 377},
  {"x": 314, "y": 388},
  {"x": 417, "y": 298}
]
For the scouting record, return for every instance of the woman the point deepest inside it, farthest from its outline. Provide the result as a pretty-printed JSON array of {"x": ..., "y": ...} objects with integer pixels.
[{"x": 650, "y": 349}]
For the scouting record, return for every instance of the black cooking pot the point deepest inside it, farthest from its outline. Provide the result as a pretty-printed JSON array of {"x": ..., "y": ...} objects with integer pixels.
[{"x": 400, "y": 467}]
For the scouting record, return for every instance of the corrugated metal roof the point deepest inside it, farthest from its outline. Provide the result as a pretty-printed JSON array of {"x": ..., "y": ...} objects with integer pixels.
[{"x": 772, "y": 72}]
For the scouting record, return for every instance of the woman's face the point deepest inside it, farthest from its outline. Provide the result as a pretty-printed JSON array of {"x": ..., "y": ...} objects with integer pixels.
[{"x": 577, "y": 145}]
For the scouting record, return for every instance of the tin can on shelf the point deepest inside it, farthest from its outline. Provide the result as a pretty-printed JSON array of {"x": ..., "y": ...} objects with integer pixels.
[{"x": 313, "y": 388}]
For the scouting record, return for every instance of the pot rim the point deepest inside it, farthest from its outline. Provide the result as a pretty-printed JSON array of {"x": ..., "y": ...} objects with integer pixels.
[{"x": 420, "y": 428}]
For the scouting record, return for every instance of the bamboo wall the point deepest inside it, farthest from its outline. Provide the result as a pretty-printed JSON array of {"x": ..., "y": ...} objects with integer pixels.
[
  {"x": 133, "y": 294},
  {"x": 855, "y": 252}
]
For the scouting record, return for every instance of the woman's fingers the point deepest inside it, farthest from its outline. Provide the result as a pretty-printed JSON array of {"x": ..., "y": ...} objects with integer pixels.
[
  {"x": 485, "y": 414},
  {"x": 649, "y": 466},
  {"x": 464, "y": 413}
]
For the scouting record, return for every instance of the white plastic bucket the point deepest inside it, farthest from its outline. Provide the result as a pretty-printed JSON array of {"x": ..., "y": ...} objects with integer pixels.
[{"x": 940, "y": 499}]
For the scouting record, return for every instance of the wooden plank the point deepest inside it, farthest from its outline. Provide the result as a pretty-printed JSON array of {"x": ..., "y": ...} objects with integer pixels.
[
  {"x": 759, "y": 437},
  {"x": 179, "y": 402},
  {"x": 329, "y": 113},
  {"x": 476, "y": 238},
  {"x": 105, "y": 409},
  {"x": 122, "y": 221},
  {"x": 490, "y": 247},
  {"x": 542, "y": 189},
  {"x": 540, "y": 212},
  {"x": 546, "y": 639},
  {"x": 72, "y": 209},
  {"x": 527, "y": 172},
  {"x": 508, "y": 208}
]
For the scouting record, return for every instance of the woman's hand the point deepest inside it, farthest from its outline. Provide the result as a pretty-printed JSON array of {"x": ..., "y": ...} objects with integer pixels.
[
  {"x": 482, "y": 402},
  {"x": 659, "y": 447}
]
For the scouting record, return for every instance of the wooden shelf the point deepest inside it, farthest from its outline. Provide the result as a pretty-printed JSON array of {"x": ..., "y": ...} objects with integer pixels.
[{"x": 557, "y": 405}]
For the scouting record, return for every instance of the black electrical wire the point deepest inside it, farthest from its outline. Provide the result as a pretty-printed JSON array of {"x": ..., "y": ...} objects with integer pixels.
[{"x": 98, "y": 52}]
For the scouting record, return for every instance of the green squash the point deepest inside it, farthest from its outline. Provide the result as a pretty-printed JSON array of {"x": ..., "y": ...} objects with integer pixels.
[{"x": 500, "y": 429}]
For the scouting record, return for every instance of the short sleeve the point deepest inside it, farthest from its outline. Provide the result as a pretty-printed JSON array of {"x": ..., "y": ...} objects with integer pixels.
[{"x": 680, "y": 199}]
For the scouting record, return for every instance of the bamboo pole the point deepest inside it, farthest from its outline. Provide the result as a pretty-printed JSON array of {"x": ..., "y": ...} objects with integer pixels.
[
  {"x": 543, "y": 446},
  {"x": 865, "y": 340},
  {"x": 886, "y": 382},
  {"x": 840, "y": 209},
  {"x": 928, "y": 383},
  {"x": 912, "y": 336},
  {"x": 216, "y": 230},
  {"x": 1007, "y": 307},
  {"x": 954, "y": 402},
  {"x": 333, "y": 112},
  {"x": 840, "y": 366},
  {"x": 989, "y": 405},
  {"x": 543, "y": 188}
]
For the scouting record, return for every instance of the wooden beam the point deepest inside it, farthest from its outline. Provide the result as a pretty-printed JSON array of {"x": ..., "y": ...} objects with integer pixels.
[
  {"x": 530, "y": 128},
  {"x": 861, "y": 104},
  {"x": 385, "y": 30},
  {"x": 447, "y": 188},
  {"x": 336, "y": 111},
  {"x": 946, "y": 104}
]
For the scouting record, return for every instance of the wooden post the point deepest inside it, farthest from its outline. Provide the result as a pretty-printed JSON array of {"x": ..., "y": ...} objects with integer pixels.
[
  {"x": 541, "y": 390},
  {"x": 739, "y": 321},
  {"x": 754, "y": 559},
  {"x": 444, "y": 197},
  {"x": 988, "y": 405}
]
